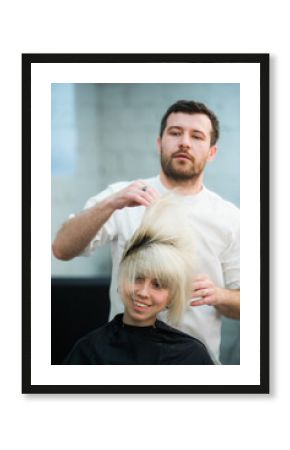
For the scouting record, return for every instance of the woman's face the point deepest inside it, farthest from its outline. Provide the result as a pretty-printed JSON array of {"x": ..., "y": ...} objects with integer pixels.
[{"x": 143, "y": 301}]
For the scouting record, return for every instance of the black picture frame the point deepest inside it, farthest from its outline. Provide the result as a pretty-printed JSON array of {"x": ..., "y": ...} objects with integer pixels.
[{"x": 262, "y": 60}]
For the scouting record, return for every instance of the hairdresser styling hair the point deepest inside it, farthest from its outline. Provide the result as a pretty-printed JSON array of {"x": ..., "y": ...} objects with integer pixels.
[
  {"x": 187, "y": 143},
  {"x": 155, "y": 275}
]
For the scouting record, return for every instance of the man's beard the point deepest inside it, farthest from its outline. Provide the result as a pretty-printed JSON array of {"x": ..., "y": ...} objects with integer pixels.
[{"x": 180, "y": 172}]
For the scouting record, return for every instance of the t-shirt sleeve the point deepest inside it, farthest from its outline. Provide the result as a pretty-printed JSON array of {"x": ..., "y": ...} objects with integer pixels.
[
  {"x": 230, "y": 258},
  {"x": 108, "y": 232}
]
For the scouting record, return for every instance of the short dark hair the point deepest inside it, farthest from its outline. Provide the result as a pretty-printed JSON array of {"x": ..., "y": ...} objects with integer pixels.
[{"x": 192, "y": 107}]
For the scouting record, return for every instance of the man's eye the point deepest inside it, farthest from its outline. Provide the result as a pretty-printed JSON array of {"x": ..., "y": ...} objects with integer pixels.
[{"x": 175, "y": 133}]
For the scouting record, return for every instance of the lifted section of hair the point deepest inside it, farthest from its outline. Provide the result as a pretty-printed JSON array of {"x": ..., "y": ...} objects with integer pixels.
[{"x": 162, "y": 248}]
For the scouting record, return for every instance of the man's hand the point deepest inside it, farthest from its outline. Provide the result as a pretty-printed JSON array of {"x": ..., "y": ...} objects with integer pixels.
[
  {"x": 136, "y": 194},
  {"x": 204, "y": 292}
]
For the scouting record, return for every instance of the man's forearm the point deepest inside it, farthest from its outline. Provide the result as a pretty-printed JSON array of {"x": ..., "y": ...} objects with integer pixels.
[
  {"x": 229, "y": 303},
  {"x": 77, "y": 233}
]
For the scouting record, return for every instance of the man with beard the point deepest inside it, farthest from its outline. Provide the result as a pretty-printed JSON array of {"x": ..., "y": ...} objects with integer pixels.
[{"x": 186, "y": 143}]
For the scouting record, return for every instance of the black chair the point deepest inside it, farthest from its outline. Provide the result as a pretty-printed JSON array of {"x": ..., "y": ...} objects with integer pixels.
[{"x": 78, "y": 305}]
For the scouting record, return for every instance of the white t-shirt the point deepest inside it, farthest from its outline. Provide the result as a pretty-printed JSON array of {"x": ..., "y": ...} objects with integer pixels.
[{"x": 215, "y": 224}]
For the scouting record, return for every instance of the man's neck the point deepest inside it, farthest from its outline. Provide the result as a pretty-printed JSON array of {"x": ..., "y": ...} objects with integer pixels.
[{"x": 186, "y": 187}]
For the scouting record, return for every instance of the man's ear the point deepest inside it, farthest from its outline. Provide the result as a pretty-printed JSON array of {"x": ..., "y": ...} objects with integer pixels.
[
  {"x": 158, "y": 142},
  {"x": 212, "y": 153}
]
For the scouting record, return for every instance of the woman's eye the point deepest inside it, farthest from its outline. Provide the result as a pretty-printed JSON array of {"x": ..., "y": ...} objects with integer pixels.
[
  {"x": 139, "y": 279},
  {"x": 157, "y": 285}
]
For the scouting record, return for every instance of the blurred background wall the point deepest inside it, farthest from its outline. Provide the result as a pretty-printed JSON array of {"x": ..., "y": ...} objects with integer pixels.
[{"x": 103, "y": 133}]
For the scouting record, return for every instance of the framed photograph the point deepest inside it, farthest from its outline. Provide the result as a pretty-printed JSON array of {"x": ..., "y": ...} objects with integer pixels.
[{"x": 92, "y": 120}]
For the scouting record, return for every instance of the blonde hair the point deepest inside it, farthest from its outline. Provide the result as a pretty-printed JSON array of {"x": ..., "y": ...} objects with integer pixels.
[{"x": 161, "y": 248}]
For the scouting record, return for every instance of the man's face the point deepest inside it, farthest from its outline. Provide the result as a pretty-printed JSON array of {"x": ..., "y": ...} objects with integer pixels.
[{"x": 185, "y": 146}]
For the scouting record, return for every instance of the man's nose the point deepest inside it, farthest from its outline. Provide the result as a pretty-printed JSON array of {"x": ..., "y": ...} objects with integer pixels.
[{"x": 185, "y": 140}]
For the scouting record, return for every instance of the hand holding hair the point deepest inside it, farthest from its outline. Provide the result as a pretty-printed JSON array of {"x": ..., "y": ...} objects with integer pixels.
[
  {"x": 204, "y": 292},
  {"x": 136, "y": 194}
]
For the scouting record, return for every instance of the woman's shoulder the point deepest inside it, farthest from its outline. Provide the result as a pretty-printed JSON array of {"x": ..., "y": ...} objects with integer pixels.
[
  {"x": 191, "y": 349},
  {"x": 174, "y": 331}
]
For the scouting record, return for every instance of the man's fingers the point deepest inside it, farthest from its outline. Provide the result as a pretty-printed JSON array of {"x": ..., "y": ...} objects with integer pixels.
[
  {"x": 206, "y": 299},
  {"x": 199, "y": 285},
  {"x": 137, "y": 198},
  {"x": 136, "y": 194},
  {"x": 146, "y": 198},
  {"x": 146, "y": 192},
  {"x": 197, "y": 303},
  {"x": 203, "y": 293},
  {"x": 152, "y": 193}
]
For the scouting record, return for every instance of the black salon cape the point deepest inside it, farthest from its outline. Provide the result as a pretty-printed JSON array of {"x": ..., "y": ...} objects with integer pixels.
[{"x": 117, "y": 343}]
